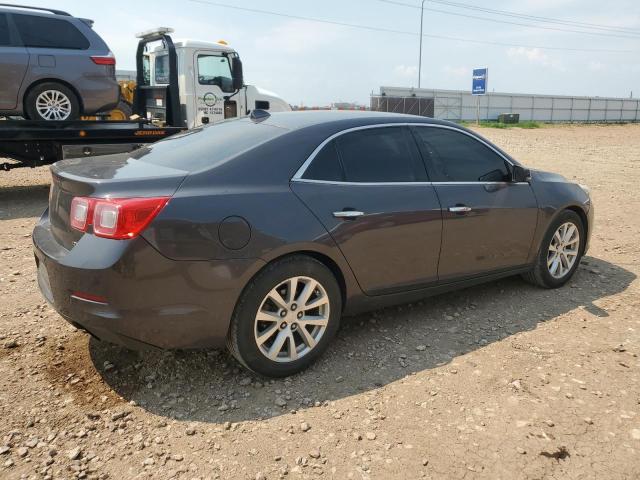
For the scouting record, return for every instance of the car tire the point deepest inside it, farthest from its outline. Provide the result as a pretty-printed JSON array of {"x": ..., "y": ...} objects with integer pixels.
[
  {"x": 51, "y": 101},
  {"x": 275, "y": 340},
  {"x": 560, "y": 253}
]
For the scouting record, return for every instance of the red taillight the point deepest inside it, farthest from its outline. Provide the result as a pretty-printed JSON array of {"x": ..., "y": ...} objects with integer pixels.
[
  {"x": 117, "y": 218},
  {"x": 107, "y": 60}
]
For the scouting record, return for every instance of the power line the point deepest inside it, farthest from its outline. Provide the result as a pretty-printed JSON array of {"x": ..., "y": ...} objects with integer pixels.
[
  {"x": 402, "y": 32},
  {"x": 538, "y": 18},
  {"x": 495, "y": 20}
]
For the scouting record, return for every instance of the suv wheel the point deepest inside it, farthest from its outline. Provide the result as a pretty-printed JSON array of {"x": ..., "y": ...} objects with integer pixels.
[
  {"x": 52, "y": 101},
  {"x": 286, "y": 317}
]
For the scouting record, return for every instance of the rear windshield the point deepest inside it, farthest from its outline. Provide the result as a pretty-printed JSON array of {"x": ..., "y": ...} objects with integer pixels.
[
  {"x": 209, "y": 146},
  {"x": 43, "y": 32},
  {"x": 162, "y": 69}
]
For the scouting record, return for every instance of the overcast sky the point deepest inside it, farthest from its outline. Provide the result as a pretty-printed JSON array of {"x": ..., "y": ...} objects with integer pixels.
[{"x": 316, "y": 63}]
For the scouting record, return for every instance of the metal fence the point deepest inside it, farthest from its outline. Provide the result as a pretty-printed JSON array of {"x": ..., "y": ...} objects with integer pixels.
[{"x": 459, "y": 105}]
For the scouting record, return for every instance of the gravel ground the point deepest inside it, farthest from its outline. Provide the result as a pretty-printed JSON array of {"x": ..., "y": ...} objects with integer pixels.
[{"x": 503, "y": 380}]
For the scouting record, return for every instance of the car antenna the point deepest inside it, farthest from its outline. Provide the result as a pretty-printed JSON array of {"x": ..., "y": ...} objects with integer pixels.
[{"x": 258, "y": 115}]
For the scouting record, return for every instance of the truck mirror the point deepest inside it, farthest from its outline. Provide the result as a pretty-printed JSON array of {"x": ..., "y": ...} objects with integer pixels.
[{"x": 236, "y": 73}]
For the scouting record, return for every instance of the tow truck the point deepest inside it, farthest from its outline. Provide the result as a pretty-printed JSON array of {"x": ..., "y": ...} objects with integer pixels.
[{"x": 180, "y": 85}]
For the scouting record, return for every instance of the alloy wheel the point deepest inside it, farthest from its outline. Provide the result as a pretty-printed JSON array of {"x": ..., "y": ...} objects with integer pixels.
[
  {"x": 563, "y": 250},
  {"x": 291, "y": 319},
  {"x": 53, "y": 105}
]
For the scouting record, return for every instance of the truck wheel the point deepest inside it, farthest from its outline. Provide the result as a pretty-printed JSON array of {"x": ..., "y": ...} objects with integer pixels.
[{"x": 52, "y": 101}]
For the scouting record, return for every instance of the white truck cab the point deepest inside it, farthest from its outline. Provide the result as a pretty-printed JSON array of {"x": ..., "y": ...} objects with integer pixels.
[{"x": 210, "y": 87}]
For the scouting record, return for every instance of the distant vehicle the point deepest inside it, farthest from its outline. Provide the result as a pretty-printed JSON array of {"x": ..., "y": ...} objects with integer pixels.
[
  {"x": 178, "y": 85},
  {"x": 53, "y": 66},
  {"x": 260, "y": 233}
]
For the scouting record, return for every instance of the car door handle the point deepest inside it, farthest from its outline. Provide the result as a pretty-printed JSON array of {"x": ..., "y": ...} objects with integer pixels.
[
  {"x": 348, "y": 214},
  {"x": 460, "y": 209}
]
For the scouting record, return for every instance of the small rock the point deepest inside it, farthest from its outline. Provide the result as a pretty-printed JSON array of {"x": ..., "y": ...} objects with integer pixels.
[
  {"x": 588, "y": 421},
  {"x": 190, "y": 431},
  {"x": 245, "y": 381},
  {"x": 549, "y": 423},
  {"x": 635, "y": 433},
  {"x": 74, "y": 453},
  {"x": 8, "y": 463},
  {"x": 305, "y": 427},
  {"x": 280, "y": 402},
  {"x": 32, "y": 442},
  {"x": 11, "y": 344},
  {"x": 117, "y": 416},
  {"x": 314, "y": 453},
  {"x": 148, "y": 461},
  {"x": 261, "y": 476},
  {"x": 371, "y": 436},
  {"x": 425, "y": 462},
  {"x": 4, "y": 449},
  {"x": 421, "y": 348},
  {"x": 22, "y": 451},
  {"x": 521, "y": 450},
  {"x": 176, "y": 457}
]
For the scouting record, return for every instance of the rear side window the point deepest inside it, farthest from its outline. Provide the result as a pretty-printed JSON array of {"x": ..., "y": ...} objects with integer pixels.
[
  {"x": 380, "y": 155},
  {"x": 325, "y": 165},
  {"x": 457, "y": 157},
  {"x": 46, "y": 32},
  {"x": 208, "y": 146},
  {"x": 4, "y": 30}
]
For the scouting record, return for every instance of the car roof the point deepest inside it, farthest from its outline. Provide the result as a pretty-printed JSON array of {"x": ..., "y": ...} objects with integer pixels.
[
  {"x": 38, "y": 11},
  {"x": 309, "y": 118}
]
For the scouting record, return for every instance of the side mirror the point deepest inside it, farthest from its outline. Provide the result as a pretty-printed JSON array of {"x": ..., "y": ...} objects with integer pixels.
[
  {"x": 521, "y": 174},
  {"x": 236, "y": 73}
]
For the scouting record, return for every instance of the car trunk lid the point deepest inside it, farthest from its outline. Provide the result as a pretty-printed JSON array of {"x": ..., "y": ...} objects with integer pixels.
[{"x": 109, "y": 176}]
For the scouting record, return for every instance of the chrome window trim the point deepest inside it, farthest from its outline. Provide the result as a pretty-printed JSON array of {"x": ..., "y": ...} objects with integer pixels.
[
  {"x": 297, "y": 177},
  {"x": 369, "y": 184}
]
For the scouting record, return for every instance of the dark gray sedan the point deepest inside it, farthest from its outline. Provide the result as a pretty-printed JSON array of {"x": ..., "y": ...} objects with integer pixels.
[{"x": 262, "y": 232}]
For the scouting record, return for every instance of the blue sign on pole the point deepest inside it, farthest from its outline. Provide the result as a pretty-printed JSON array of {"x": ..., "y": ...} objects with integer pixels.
[{"x": 479, "y": 83}]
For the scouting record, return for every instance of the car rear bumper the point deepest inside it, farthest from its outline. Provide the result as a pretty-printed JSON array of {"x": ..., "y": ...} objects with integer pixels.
[
  {"x": 99, "y": 94},
  {"x": 149, "y": 300}
]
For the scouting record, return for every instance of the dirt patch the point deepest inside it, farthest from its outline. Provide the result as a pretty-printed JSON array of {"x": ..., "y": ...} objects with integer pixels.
[{"x": 69, "y": 367}]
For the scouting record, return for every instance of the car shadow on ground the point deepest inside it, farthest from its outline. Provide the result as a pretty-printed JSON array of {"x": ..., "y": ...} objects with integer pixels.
[
  {"x": 23, "y": 201},
  {"x": 370, "y": 350}
]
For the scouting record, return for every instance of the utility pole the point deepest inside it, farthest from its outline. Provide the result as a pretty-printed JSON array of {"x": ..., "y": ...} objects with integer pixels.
[{"x": 420, "y": 54}]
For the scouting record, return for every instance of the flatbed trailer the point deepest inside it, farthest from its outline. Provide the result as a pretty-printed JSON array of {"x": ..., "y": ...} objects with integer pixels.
[{"x": 34, "y": 143}]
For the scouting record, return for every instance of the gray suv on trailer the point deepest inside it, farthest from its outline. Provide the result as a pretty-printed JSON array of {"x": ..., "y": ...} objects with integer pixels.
[{"x": 53, "y": 66}]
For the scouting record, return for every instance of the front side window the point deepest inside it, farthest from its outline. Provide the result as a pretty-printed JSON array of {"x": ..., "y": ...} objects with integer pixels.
[
  {"x": 4, "y": 30},
  {"x": 215, "y": 70},
  {"x": 380, "y": 155},
  {"x": 457, "y": 157},
  {"x": 43, "y": 32}
]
